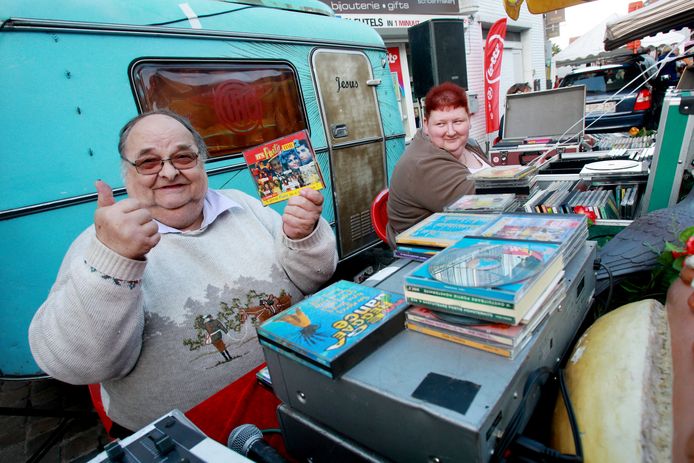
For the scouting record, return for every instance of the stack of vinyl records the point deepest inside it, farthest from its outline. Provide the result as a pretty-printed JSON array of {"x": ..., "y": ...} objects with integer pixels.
[
  {"x": 506, "y": 179},
  {"x": 488, "y": 203},
  {"x": 510, "y": 273}
]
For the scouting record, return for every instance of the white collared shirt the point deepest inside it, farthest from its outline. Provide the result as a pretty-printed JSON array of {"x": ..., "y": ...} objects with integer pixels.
[{"x": 213, "y": 206}]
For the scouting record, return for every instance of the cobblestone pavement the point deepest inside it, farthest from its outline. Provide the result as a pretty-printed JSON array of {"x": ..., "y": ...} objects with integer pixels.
[{"x": 47, "y": 402}]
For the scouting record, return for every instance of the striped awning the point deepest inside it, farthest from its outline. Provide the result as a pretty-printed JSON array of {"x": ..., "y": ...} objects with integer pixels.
[{"x": 660, "y": 16}]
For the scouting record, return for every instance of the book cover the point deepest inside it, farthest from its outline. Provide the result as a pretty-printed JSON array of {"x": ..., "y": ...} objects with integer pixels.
[
  {"x": 336, "y": 327},
  {"x": 283, "y": 167},
  {"x": 442, "y": 229},
  {"x": 488, "y": 202}
]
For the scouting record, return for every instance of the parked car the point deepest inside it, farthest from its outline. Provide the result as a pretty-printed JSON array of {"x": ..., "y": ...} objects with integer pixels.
[{"x": 613, "y": 102}]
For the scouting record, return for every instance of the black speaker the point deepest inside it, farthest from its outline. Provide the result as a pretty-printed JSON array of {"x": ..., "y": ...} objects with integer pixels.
[{"x": 437, "y": 47}]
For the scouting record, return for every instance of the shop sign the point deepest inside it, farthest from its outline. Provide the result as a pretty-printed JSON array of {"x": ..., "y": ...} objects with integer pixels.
[{"x": 396, "y": 21}]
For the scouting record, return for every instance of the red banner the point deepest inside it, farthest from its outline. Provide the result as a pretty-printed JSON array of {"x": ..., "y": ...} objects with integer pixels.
[{"x": 493, "y": 51}]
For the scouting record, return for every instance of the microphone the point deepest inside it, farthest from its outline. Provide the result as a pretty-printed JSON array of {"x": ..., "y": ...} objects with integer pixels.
[{"x": 248, "y": 440}]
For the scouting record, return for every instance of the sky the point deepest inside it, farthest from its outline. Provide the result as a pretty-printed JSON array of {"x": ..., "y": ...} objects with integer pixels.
[{"x": 581, "y": 18}]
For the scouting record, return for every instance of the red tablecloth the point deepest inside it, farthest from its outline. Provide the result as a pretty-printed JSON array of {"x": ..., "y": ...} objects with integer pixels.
[{"x": 243, "y": 401}]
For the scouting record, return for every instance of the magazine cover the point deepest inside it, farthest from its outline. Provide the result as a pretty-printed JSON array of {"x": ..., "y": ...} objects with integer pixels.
[
  {"x": 445, "y": 228},
  {"x": 488, "y": 202},
  {"x": 282, "y": 167},
  {"x": 336, "y": 327}
]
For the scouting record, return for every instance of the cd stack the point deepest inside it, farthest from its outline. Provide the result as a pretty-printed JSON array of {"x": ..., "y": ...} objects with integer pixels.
[
  {"x": 492, "y": 291},
  {"x": 489, "y": 203},
  {"x": 516, "y": 179}
]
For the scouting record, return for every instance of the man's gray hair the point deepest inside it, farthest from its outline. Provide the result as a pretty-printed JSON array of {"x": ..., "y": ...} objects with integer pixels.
[{"x": 125, "y": 131}]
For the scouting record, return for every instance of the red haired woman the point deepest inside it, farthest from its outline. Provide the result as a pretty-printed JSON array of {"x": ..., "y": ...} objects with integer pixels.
[{"x": 434, "y": 170}]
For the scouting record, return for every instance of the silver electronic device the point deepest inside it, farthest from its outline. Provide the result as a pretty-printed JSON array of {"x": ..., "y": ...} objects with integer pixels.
[
  {"x": 418, "y": 398},
  {"x": 172, "y": 437}
]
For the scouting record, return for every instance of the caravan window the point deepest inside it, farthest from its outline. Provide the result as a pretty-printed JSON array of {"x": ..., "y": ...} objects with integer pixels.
[{"x": 233, "y": 105}]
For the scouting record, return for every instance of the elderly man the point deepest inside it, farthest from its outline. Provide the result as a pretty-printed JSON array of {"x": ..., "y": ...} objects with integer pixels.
[{"x": 129, "y": 305}]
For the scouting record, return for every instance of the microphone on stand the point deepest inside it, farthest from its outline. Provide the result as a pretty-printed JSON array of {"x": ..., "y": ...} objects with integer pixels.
[{"x": 248, "y": 440}]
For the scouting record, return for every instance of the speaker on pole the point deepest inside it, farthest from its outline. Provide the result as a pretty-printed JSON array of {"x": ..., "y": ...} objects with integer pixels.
[{"x": 438, "y": 54}]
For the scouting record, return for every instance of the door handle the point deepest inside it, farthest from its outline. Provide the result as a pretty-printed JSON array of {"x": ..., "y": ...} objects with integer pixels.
[{"x": 339, "y": 130}]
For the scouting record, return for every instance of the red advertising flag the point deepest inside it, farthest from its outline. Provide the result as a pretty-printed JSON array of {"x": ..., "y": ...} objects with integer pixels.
[{"x": 493, "y": 51}]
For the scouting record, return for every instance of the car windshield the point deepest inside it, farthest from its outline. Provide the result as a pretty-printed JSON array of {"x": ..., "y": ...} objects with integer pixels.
[{"x": 604, "y": 80}]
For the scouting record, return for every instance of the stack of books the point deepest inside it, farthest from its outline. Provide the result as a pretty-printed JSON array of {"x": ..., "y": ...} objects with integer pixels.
[
  {"x": 437, "y": 232},
  {"x": 488, "y": 203}
]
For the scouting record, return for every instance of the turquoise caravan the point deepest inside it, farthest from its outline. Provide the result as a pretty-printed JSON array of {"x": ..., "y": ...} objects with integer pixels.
[{"x": 244, "y": 72}]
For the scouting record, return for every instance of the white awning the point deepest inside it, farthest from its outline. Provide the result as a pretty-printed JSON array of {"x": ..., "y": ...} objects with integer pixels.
[
  {"x": 661, "y": 16},
  {"x": 588, "y": 47}
]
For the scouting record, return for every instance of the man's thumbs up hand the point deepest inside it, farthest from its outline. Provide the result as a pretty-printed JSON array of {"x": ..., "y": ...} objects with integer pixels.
[
  {"x": 105, "y": 194},
  {"x": 126, "y": 227}
]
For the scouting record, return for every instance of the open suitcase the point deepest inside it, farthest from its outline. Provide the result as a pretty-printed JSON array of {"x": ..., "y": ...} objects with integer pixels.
[{"x": 540, "y": 121}]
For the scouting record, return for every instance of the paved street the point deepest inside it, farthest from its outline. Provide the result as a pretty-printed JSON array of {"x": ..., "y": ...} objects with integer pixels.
[{"x": 21, "y": 437}]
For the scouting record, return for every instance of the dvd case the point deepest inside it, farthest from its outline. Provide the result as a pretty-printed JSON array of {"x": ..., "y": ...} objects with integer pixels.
[
  {"x": 335, "y": 328},
  {"x": 442, "y": 229},
  {"x": 482, "y": 203},
  {"x": 283, "y": 167}
]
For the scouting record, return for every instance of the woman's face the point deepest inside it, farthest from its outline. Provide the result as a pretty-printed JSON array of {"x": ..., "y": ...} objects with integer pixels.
[
  {"x": 293, "y": 161},
  {"x": 448, "y": 129}
]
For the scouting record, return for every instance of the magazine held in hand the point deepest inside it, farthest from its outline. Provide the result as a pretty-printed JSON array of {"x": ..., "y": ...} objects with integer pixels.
[
  {"x": 335, "y": 328},
  {"x": 283, "y": 167}
]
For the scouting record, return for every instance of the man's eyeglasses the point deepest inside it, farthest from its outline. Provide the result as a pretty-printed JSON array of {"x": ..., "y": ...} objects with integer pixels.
[{"x": 154, "y": 165}]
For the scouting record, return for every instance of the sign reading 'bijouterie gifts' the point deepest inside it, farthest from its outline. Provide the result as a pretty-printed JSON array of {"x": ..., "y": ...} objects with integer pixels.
[{"x": 342, "y": 7}]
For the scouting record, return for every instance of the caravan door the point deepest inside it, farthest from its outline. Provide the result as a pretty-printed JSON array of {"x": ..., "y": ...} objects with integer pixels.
[{"x": 349, "y": 108}]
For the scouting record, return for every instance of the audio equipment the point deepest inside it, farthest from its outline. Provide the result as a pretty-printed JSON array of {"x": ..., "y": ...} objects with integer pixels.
[
  {"x": 247, "y": 440},
  {"x": 172, "y": 437},
  {"x": 419, "y": 398},
  {"x": 438, "y": 54}
]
